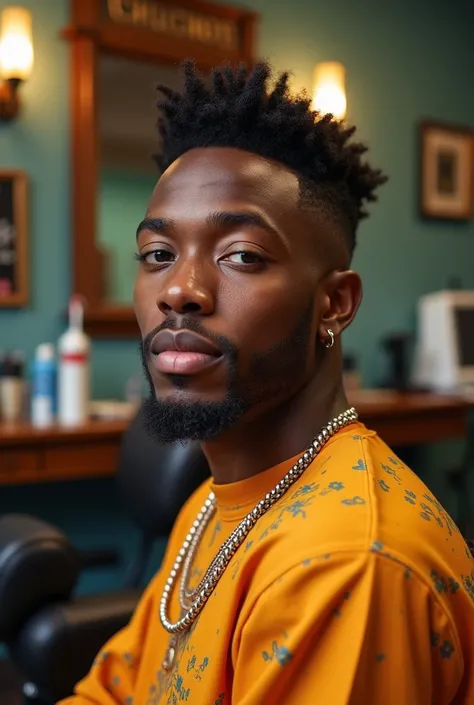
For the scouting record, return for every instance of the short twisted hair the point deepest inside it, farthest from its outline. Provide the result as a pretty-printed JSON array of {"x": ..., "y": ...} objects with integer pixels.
[{"x": 237, "y": 108}]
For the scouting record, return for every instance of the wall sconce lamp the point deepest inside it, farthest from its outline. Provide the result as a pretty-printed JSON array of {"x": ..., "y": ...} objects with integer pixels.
[
  {"x": 329, "y": 89},
  {"x": 16, "y": 57}
]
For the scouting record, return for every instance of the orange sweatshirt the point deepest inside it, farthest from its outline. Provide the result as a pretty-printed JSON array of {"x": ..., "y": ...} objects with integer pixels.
[{"x": 356, "y": 588}]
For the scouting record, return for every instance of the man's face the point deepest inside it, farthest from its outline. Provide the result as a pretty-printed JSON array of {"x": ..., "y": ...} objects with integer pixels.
[{"x": 227, "y": 295}]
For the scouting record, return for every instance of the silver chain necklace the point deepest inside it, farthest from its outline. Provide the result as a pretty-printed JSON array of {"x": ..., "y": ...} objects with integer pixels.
[{"x": 193, "y": 601}]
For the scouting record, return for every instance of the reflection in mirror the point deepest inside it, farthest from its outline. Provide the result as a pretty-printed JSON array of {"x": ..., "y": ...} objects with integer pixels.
[{"x": 128, "y": 138}]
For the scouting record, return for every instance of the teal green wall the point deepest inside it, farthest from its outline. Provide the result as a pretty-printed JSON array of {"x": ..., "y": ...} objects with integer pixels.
[
  {"x": 405, "y": 60},
  {"x": 123, "y": 196}
]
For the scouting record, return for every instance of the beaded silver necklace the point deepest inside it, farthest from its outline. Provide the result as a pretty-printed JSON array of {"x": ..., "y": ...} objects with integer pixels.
[{"x": 193, "y": 601}]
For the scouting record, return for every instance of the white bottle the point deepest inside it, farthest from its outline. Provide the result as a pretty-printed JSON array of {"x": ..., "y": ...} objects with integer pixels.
[{"x": 73, "y": 369}]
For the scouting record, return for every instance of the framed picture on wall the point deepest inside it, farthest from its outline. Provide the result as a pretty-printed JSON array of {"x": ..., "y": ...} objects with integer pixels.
[
  {"x": 446, "y": 171},
  {"x": 13, "y": 238}
]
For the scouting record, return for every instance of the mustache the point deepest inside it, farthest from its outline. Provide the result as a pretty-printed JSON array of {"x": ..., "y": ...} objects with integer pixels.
[{"x": 187, "y": 323}]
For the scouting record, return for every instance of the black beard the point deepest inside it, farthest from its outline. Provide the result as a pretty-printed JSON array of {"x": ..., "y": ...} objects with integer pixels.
[
  {"x": 274, "y": 373},
  {"x": 171, "y": 422}
]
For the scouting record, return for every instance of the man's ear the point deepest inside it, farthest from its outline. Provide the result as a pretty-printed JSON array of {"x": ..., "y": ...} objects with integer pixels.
[{"x": 340, "y": 302}]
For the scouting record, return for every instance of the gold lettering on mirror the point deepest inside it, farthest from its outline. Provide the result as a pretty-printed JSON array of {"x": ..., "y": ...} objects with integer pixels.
[{"x": 175, "y": 21}]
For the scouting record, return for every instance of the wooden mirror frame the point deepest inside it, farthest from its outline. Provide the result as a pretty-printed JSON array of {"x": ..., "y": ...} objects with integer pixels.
[{"x": 122, "y": 27}]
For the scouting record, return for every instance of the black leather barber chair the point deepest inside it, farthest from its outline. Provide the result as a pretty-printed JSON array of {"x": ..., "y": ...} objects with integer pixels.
[{"x": 53, "y": 636}]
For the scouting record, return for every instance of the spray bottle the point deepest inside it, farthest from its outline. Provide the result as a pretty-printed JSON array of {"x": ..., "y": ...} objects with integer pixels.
[{"x": 73, "y": 370}]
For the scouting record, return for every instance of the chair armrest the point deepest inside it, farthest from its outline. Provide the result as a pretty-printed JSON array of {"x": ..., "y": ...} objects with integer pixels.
[{"x": 56, "y": 647}]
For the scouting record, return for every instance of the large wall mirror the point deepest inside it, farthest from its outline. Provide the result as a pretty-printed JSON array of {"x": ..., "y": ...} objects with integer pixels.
[
  {"x": 127, "y": 172},
  {"x": 120, "y": 50}
]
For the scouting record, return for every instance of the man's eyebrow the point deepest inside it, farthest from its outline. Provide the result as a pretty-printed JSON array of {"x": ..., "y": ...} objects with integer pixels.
[
  {"x": 154, "y": 225},
  {"x": 223, "y": 219},
  {"x": 218, "y": 219}
]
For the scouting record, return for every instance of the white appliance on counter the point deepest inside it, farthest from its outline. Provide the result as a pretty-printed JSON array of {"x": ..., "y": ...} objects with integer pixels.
[{"x": 444, "y": 357}]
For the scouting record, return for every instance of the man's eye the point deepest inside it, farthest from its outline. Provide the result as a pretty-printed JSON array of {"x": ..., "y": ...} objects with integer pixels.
[
  {"x": 244, "y": 257},
  {"x": 156, "y": 256}
]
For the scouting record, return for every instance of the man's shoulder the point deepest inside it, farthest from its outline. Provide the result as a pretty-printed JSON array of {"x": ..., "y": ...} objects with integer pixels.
[
  {"x": 360, "y": 496},
  {"x": 406, "y": 515}
]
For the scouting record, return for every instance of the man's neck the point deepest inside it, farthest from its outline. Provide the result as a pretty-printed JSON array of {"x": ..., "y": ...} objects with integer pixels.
[{"x": 259, "y": 443}]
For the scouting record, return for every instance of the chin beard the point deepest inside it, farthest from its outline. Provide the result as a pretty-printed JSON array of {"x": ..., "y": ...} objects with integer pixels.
[{"x": 169, "y": 421}]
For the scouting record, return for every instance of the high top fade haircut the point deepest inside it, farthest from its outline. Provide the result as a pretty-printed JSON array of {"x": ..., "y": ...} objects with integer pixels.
[{"x": 239, "y": 108}]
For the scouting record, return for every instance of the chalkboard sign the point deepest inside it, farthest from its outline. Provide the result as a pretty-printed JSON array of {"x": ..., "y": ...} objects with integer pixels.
[{"x": 13, "y": 238}]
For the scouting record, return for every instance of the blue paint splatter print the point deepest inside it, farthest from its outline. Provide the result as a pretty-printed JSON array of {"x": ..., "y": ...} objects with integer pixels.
[
  {"x": 128, "y": 658},
  {"x": 427, "y": 511},
  {"x": 468, "y": 582},
  {"x": 390, "y": 471},
  {"x": 233, "y": 508},
  {"x": 306, "y": 489},
  {"x": 101, "y": 658},
  {"x": 197, "y": 669},
  {"x": 434, "y": 639},
  {"x": 215, "y": 531},
  {"x": 376, "y": 547},
  {"x": 182, "y": 692},
  {"x": 327, "y": 490},
  {"x": 446, "y": 649},
  {"x": 277, "y": 653},
  {"x": 171, "y": 684},
  {"x": 296, "y": 509},
  {"x": 443, "y": 584},
  {"x": 453, "y": 586},
  {"x": 438, "y": 581},
  {"x": 336, "y": 486},
  {"x": 337, "y": 612},
  {"x": 449, "y": 523},
  {"x": 273, "y": 527},
  {"x": 431, "y": 510},
  {"x": 354, "y": 501}
]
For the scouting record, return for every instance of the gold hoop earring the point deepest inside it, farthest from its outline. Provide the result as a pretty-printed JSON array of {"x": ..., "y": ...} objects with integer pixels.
[{"x": 330, "y": 343}]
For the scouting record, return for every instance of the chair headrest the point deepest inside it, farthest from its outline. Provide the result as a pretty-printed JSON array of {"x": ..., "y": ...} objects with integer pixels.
[{"x": 155, "y": 480}]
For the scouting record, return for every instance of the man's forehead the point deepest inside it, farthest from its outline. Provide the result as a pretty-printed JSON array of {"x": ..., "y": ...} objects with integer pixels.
[{"x": 231, "y": 172}]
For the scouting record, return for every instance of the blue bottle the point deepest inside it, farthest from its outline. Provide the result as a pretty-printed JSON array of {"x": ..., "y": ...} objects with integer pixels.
[{"x": 43, "y": 386}]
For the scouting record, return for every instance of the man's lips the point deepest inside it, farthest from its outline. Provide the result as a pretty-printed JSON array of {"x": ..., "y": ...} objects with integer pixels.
[{"x": 183, "y": 352}]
